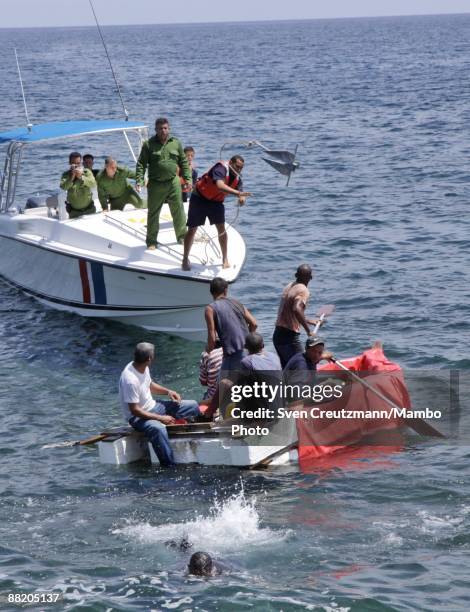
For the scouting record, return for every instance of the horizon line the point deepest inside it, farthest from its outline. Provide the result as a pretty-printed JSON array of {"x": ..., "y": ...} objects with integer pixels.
[{"x": 228, "y": 22}]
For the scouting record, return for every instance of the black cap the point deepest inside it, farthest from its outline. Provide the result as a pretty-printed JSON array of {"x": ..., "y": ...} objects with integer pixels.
[{"x": 313, "y": 341}]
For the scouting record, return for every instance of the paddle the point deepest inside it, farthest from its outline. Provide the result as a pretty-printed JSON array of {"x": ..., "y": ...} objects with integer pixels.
[
  {"x": 91, "y": 440},
  {"x": 118, "y": 432},
  {"x": 115, "y": 432},
  {"x": 270, "y": 458},
  {"x": 419, "y": 425},
  {"x": 323, "y": 313}
]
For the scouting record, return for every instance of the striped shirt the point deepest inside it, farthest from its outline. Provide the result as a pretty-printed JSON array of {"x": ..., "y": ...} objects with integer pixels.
[{"x": 209, "y": 368}]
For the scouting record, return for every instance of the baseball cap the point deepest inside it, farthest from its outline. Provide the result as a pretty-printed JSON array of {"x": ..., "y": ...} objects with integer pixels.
[{"x": 313, "y": 341}]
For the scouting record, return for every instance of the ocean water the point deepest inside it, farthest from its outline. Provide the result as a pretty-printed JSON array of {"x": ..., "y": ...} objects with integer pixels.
[{"x": 380, "y": 111}]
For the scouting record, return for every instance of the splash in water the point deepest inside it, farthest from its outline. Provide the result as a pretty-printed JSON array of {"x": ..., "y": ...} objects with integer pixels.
[{"x": 231, "y": 525}]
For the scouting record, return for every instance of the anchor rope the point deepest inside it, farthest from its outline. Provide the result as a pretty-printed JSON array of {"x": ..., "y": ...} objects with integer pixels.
[{"x": 205, "y": 238}]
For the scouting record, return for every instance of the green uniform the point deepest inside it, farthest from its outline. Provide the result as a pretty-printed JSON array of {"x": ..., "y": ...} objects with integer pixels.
[
  {"x": 116, "y": 190},
  {"x": 163, "y": 161},
  {"x": 79, "y": 195}
]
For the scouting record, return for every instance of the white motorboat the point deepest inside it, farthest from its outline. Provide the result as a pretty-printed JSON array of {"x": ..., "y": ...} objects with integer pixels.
[{"x": 98, "y": 265}]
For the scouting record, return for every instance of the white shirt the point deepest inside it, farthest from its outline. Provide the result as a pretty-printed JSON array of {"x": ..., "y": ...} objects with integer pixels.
[{"x": 134, "y": 388}]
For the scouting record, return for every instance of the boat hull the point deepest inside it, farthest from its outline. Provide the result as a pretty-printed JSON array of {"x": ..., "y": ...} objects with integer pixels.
[
  {"x": 93, "y": 289},
  {"x": 158, "y": 302},
  {"x": 99, "y": 266}
]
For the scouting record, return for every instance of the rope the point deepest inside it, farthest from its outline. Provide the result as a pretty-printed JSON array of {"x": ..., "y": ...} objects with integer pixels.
[
  {"x": 232, "y": 223},
  {"x": 205, "y": 238}
]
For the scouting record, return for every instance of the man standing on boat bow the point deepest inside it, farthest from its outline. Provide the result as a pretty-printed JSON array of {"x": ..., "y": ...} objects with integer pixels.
[
  {"x": 162, "y": 155},
  {"x": 207, "y": 202},
  {"x": 78, "y": 182}
]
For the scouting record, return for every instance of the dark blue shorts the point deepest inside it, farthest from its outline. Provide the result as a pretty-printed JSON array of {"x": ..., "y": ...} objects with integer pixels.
[{"x": 201, "y": 209}]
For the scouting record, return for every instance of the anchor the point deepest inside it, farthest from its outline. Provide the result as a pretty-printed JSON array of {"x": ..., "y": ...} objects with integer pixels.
[{"x": 281, "y": 160}]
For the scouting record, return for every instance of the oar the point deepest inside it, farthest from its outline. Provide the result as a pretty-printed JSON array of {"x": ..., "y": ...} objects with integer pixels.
[
  {"x": 270, "y": 458},
  {"x": 419, "y": 425},
  {"x": 323, "y": 313},
  {"x": 117, "y": 432},
  {"x": 91, "y": 440}
]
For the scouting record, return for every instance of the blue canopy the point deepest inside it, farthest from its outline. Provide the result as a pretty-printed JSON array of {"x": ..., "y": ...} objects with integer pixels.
[{"x": 67, "y": 129}]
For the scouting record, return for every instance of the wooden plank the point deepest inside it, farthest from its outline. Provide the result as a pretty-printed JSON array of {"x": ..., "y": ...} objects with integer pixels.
[
  {"x": 267, "y": 460},
  {"x": 189, "y": 427}
]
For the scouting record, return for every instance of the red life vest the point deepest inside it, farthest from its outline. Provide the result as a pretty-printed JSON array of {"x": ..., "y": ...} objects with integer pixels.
[{"x": 207, "y": 188}]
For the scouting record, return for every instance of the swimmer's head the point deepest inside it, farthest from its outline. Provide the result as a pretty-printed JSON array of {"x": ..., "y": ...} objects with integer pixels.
[{"x": 200, "y": 564}]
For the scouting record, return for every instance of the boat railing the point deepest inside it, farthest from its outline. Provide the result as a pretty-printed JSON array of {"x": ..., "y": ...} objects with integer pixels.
[
  {"x": 10, "y": 175},
  {"x": 108, "y": 218},
  {"x": 139, "y": 233}
]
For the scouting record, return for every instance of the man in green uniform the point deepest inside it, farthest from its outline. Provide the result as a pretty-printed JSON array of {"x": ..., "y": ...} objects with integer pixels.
[
  {"x": 78, "y": 182},
  {"x": 163, "y": 155},
  {"x": 88, "y": 161},
  {"x": 113, "y": 188}
]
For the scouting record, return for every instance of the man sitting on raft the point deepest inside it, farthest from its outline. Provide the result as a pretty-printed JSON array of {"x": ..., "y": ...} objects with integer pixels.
[{"x": 142, "y": 412}]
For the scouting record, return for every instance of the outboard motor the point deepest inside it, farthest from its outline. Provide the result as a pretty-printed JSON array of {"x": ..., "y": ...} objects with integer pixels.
[{"x": 35, "y": 201}]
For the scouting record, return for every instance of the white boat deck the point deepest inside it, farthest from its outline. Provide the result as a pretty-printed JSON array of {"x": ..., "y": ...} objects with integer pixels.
[{"x": 118, "y": 238}]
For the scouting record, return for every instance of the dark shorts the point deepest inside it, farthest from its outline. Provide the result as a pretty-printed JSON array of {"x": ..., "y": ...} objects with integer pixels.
[
  {"x": 287, "y": 343},
  {"x": 200, "y": 209}
]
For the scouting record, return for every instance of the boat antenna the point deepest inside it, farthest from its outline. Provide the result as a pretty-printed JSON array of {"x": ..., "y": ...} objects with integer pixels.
[
  {"x": 109, "y": 60},
  {"x": 28, "y": 123}
]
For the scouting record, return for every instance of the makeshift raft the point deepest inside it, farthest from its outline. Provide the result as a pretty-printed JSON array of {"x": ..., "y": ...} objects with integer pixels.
[
  {"x": 294, "y": 440},
  {"x": 205, "y": 444}
]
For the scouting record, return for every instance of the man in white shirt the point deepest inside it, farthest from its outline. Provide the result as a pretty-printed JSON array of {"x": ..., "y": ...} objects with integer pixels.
[{"x": 145, "y": 414}]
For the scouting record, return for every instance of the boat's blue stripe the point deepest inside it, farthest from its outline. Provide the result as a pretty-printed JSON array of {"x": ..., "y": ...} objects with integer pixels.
[{"x": 98, "y": 282}]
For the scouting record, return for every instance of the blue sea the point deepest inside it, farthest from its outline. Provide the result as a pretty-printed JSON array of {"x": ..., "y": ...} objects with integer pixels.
[{"x": 380, "y": 109}]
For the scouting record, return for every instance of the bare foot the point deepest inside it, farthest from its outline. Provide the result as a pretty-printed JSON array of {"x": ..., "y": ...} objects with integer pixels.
[
  {"x": 185, "y": 265},
  {"x": 152, "y": 247},
  {"x": 225, "y": 264}
]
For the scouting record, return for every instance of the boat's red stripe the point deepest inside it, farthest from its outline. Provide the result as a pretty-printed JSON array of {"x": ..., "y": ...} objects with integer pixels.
[{"x": 85, "y": 282}]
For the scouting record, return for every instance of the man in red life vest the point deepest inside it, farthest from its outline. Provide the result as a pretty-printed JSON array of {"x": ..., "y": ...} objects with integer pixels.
[{"x": 207, "y": 202}]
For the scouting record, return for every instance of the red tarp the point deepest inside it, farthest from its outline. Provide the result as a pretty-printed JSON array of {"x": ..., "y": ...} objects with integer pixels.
[{"x": 320, "y": 437}]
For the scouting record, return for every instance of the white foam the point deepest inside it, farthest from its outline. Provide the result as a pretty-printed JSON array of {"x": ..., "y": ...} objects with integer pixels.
[
  {"x": 435, "y": 524},
  {"x": 393, "y": 539},
  {"x": 232, "y": 525},
  {"x": 291, "y": 601},
  {"x": 172, "y": 605}
]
